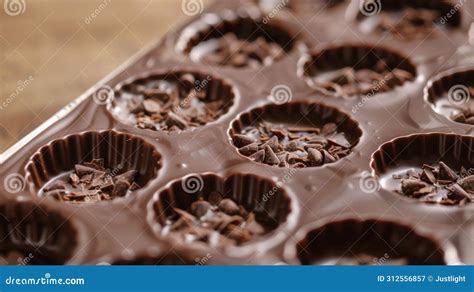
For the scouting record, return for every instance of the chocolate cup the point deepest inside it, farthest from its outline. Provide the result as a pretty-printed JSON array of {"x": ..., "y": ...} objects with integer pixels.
[
  {"x": 415, "y": 150},
  {"x": 447, "y": 92},
  {"x": 121, "y": 152},
  {"x": 246, "y": 24},
  {"x": 300, "y": 113},
  {"x": 445, "y": 8},
  {"x": 356, "y": 56},
  {"x": 40, "y": 235},
  {"x": 381, "y": 239},
  {"x": 269, "y": 201},
  {"x": 219, "y": 89}
]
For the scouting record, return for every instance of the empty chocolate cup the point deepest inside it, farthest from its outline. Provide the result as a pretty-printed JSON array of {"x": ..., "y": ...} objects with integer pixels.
[
  {"x": 407, "y": 19},
  {"x": 353, "y": 70},
  {"x": 172, "y": 100},
  {"x": 158, "y": 257},
  {"x": 295, "y": 134},
  {"x": 354, "y": 241},
  {"x": 242, "y": 39},
  {"x": 128, "y": 164},
  {"x": 231, "y": 198},
  {"x": 450, "y": 94},
  {"x": 33, "y": 234},
  {"x": 432, "y": 168}
]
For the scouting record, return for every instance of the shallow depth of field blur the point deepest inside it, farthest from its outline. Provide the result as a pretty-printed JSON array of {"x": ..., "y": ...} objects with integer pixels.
[{"x": 54, "y": 50}]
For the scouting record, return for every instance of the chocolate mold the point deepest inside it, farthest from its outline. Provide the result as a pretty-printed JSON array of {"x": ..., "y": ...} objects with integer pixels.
[
  {"x": 35, "y": 235},
  {"x": 408, "y": 20},
  {"x": 242, "y": 39},
  {"x": 323, "y": 191},
  {"x": 434, "y": 168},
  {"x": 239, "y": 214},
  {"x": 173, "y": 100},
  {"x": 295, "y": 134},
  {"x": 353, "y": 70},
  {"x": 450, "y": 94},
  {"x": 354, "y": 241},
  {"x": 92, "y": 167}
]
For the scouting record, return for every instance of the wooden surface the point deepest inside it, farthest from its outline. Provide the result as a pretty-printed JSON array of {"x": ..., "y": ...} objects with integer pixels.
[{"x": 63, "y": 49}]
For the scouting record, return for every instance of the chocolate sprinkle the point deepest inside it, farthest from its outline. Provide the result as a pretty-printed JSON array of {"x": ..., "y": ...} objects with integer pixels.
[
  {"x": 347, "y": 82},
  {"x": 407, "y": 24},
  {"x": 233, "y": 51},
  {"x": 170, "y": 103},
  {"x": 438, "y": 185},
  {"x": 217, "y": 222},
  {"x": 290, "y": 146},
  {"x": 91, "y": 182}
]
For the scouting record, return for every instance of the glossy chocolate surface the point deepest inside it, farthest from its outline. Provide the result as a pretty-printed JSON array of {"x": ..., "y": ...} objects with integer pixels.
[{"x": 182, "y": 159}]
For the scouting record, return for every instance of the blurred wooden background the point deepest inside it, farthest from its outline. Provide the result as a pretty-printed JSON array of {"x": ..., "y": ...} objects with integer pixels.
[{"x": 64, "y": 49}]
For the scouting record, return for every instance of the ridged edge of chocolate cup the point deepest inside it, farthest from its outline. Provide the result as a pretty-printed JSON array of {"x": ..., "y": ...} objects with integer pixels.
[
  {"x": 226, "y": 21},
  {"x": 350, "y": 54},
  {"x": 46, "y": 234},
  {"x": 116, "y": 148},
  {"x": 381, "y": 160},
  {"x": 441, "y": 84},
  {"x": 446, "y": 253},
  {"x": 246, "y": 189},
  {"x": 220, "y": 86},
  {"x": 163, "y": 255},
  {"x": 443, "y": 7},
  {"x": 301, "y": 108}
]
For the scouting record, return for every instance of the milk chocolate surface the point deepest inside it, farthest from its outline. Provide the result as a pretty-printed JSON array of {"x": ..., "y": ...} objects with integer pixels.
[{"x": 260, "y": 132}]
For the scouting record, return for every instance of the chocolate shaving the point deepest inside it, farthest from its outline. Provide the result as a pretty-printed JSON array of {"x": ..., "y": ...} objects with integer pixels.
[
  {"x": 347, "y": 82},
  {"x": 231, "y": 50},
  {"x": 438, "y": 185},
  {"x": 406, "y": 24},
  {"x": 292, "y": 146},
  {"x": 90, "y": 182},
  {"x": 173, "y": 103},
  {"x": 217, "y": 222}
]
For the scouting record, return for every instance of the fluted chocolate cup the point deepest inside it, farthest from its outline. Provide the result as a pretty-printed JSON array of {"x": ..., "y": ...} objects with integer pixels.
[
  {"x": 120, "y": 152},
  {"x": 273, "y": 205},
  {"x": 367, "y": 241}
]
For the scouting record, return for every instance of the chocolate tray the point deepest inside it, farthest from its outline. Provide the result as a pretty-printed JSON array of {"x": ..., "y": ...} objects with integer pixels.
[{"x": 261, "y": 132}]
